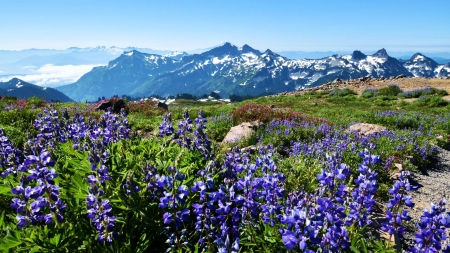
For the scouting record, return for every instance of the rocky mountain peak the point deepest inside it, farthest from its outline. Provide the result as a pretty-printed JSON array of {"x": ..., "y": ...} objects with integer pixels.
[
  {"x": 419, "y": 57},
  {"x": 269, "y": 52},
  {"x": 381, "y": 54},
  {"x": 226, "y": 49},
  {"x": 248, "y": 49},
  {"x": 358, "y": 55}
]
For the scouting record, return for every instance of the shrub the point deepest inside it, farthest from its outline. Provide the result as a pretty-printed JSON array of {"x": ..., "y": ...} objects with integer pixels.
[
  {"x": 391, "y": 90},
  {"x": 218, "y": 126},
  {"x": 430, "y": 101},
  {"x": 421, "y": 92},
  {"x": 146, "y": 107},
  {"x": 265, "y": 114},
  {"x": 370, "y": 93},
  {"x": 342, "y": 92}
]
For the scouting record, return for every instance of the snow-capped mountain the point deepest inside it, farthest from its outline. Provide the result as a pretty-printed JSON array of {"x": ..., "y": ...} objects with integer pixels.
[
  {"x": 420, "y": 65},
  {"x": 235, "y": 70},
  {"x": 120, "y": 76},
  {"x": 21, "y": 89}
]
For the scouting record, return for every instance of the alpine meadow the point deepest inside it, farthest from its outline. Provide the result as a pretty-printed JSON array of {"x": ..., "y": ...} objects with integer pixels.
[{"x": 135, "y": 126}]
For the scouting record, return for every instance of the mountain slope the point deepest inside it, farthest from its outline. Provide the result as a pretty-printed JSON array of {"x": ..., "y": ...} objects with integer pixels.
[
  {"x": 228, "y": 69},
  {"x": 20, "y": 89},
  {"x": 120, "y": 76},
  {"x": 420, "y": 65}
]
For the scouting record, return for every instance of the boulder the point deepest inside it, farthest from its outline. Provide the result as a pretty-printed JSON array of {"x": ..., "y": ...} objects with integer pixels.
[
  {"x": 365, "y": 128},
  {"x": 242, "y": 131},
  {"x": 104, "y": 106},
  {"x": 118, "y": 106},
  {"x": 163, "y": 105}
]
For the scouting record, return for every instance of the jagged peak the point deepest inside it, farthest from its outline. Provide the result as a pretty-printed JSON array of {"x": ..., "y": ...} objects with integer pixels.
[
  {"x": 269, "y": 52},
  {"x": 358, "y": 55},
  {"x": 227, "y": 44},
  {"x": 248, "y": 49},
  {"x": 224, "y": 49},
  {"x": 381, "y": 54},
  {"x": 418, "y": 56}
]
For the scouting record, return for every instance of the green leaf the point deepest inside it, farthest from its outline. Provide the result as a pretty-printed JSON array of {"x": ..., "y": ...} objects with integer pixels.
[
  {"x": 76, "y": 179},
  {"x": 196, "y": 248},
  {"x": 354, "y": 249},
  {"x": 55, "y": 240},
  {"x": 269, "y": 239},
  {"x": 79, "y": 195},
  {"x": 9, "y": 242},
  {"x": 4, "y": 189},
  {"x": 2, "y": 219}
]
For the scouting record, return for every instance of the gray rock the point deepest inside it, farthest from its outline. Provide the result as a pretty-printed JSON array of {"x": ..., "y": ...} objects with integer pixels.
[
  {"x": 242, "y": 131},
  {"x": 366, "y": 129}
]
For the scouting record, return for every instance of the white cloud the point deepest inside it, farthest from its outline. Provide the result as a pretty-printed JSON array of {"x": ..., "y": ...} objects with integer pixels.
[{"x": 51, "y": 76}]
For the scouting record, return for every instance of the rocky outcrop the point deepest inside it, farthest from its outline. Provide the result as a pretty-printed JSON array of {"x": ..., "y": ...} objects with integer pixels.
[
  {"x": 242, "y": 131},
  {"x": 366, "y": 129}
]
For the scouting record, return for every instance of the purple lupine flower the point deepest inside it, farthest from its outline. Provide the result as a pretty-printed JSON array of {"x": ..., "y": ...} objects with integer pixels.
[
  {"x": 166, "y": 129},
  {"x": 362, "y": 199},
  {"x": 394, "y": 215},
  {"x": 432, "y": 229}
]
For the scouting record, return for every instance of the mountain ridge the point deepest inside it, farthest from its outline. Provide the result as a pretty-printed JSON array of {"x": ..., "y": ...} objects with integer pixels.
[
  {"x": 229, "y": 69},
  {"x": 21, "y": 89}
]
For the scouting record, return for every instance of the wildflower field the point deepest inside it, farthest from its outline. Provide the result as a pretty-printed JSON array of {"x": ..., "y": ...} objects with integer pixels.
[{"x": 73, "y": 179}]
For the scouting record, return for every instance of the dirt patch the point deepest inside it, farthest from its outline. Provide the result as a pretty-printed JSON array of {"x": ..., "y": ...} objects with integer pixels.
[
  {"x": 404, "y": 84},
  {"x": 407, "y": 83}
]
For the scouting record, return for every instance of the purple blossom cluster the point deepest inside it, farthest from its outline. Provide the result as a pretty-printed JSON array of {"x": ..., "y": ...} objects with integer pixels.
[
  {"x": 395, "y": 215},
  {"x": 432, "y": 229},
  {"x": 183, "y": 136},
  {"x": 166, "y": 129},
  {"x": 318, "y": 221},
  {"x": 363, "y": 195},
  {"x": 401, "y": 119},
  {"x": 10, "y": 156},
  {"x": 94, "y": 136},
  {"x": 335, "y": 140},
  {"x": 37, "y": 194}
]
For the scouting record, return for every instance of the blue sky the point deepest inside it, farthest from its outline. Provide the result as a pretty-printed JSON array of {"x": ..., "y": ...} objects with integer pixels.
[{"x": 320, "y": 25}]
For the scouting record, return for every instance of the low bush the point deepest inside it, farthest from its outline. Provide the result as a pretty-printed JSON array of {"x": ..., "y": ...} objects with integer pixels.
[
  {"x": 430, "y": 101},
  {"x": 145, "y": 107},
  {"x": 391, "y": 90},
  {"x": 342, "y": 92},
  {"x": 422, "y": 92},
  {"x": 265, "y": 114},
  {"x": 370, "y": 93}
]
